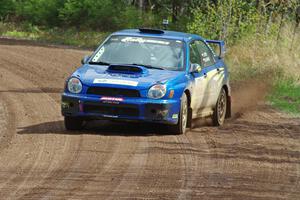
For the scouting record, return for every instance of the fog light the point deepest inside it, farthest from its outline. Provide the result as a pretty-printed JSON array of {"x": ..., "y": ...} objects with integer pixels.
[
  {"x": 162, "y": 114},
  {"x": 65, "y": 105}
]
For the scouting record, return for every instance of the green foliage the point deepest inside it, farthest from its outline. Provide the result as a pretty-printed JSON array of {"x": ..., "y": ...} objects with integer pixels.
[
  {"x": 101, "y": 14},
  {"x": 133, "y": 18},
  {"x": 7, "y": 7},
  {"x": 40, "y": 12},
  {"x": 286, "y": 95},
  {"x": 226, "y": 19},
  {"x": 87, "y": 39},
  {"x": 229, "y": 20}
]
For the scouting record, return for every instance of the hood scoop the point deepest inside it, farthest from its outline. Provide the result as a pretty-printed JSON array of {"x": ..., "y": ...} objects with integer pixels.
[{"x": 126, "y": 69}]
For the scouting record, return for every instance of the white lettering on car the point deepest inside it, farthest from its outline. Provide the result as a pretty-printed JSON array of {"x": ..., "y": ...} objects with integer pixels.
[
  {"x": 99, "y": 54},
  {"x": 142, "y": 40},
  {"x": 111, "y": 99},
  {"x": 115, "y": 81}
]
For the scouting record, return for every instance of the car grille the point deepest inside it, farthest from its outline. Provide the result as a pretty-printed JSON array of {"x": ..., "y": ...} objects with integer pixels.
[
  {"x": 113, "y": 92},
  {"x": 115, "y": 110}
]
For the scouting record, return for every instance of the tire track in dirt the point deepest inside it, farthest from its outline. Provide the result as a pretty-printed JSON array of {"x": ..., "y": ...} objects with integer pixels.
[
  {"x": 41, "y": 185},
  {"x": 276, "y": 119},
  {"x": 160, "y": 163},
  {"x": 5, "y": 127},
  {"x": 43, "y": 145},
  {"x": 12, "y": 177},
  {"x": 20, "y": 68},
  {"x": 89, "y": 172},
  {"x": 98, "y": 171},
  {"x": 191, "y": 167},
  {"x": 133, "y": 172},
  {"x": 30, "y": 169},
  {"x": 3, "y": 119},
  {"x": 249, "y": 163}
]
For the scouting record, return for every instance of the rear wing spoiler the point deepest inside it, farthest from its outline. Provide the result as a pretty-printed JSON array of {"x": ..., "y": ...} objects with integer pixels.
[{"x": 221, "y": 44}]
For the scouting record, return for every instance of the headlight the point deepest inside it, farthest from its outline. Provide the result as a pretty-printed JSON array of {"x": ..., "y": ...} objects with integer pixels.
[
  {"x": 157, "y": 91},
  {"x": 74, "y": 85}
]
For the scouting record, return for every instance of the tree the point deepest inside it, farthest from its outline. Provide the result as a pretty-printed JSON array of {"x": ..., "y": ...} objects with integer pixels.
[
  {"x": 100, "y": 14},
  {"x": 40, "y": 12},
  {"x": 7, "y": 7}
]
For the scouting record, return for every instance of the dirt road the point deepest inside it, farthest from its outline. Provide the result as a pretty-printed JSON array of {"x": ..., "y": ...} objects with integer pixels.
[{"x": 255, "y": 156}]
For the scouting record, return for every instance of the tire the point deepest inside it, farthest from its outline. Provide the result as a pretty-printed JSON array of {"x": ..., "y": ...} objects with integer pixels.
[
  {"x": 220, "y": 109},
  {"x": 73, "y": 123},
  {"x": 180, "y": 127}
]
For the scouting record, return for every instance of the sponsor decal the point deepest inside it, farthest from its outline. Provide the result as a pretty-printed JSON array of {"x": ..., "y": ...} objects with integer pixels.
[
  {"x": 143, "y": 40},
  {"x": 116, "y": 82},
  {"x": 111, "y": 99},
  {"x": 99, "y": 54},
  {"x": 110, "y": 116}
]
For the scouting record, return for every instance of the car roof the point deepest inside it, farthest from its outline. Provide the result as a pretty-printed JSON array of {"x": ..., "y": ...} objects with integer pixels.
[{"x": 166, "y": 34}]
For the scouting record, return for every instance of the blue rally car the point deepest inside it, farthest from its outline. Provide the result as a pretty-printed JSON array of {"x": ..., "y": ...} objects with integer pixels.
[{"x": 152, "y": 76}]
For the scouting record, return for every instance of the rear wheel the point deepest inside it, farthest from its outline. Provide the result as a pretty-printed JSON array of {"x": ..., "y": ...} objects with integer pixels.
[
  {"x": 219, "y": 114},
  {"x": 73, "y": 123},
  {"x": 180, "y": 127}
]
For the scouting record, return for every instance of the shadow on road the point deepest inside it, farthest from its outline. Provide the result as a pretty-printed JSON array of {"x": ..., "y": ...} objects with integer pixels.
[{"x": 104, "y": 128}]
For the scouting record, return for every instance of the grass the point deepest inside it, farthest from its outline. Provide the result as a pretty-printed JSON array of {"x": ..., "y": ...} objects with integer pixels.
[
  {"x": 286, "y": 95},
  {"x": 254, "y": 57},
  {"x": 86, "y": 39},
  {"x": 272, "y": 61}
]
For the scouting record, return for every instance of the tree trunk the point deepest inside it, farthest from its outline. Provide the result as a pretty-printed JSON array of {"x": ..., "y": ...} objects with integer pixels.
[
  {"x": 257, "y": 4},
  {"x": 281, "y": 24},
  {"x": 269, "y": 22},
  {"x": 174, "y": 11},
  {"x": 141, "y": 5},
  {"x": 296, "y": 26},
  {"x": 298, "y": 16}
]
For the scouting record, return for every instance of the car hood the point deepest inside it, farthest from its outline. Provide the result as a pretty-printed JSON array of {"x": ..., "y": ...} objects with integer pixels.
[{"x": 99, "y": 75}]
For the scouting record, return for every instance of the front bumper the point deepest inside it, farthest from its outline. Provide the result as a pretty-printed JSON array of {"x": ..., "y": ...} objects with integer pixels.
[{"x": 133, "y": 109}]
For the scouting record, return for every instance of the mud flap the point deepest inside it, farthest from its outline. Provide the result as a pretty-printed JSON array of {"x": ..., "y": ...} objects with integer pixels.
[
  {"x": 189, "y": 120},
  {"x": 228, "y": 111}
]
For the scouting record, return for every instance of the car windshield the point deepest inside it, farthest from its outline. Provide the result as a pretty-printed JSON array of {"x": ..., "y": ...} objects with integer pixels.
[{"x": 149, "y": 52}]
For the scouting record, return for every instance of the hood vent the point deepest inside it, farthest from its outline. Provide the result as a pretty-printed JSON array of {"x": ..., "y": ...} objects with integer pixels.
[
  {"x": 126, "y": 69},
  {"x": 151, "y": 31}
]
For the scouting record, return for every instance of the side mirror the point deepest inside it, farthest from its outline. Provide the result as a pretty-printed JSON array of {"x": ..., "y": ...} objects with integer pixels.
[
  {"x": 195, "y": 68},
  {"x": 85, "y": 59}
]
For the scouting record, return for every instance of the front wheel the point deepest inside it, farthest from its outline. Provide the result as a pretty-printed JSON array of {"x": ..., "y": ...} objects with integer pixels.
[
  {"x": 219, "y": 114},
  {"x": 73, "y": 123},
  {"x": 180, "y": 127}
]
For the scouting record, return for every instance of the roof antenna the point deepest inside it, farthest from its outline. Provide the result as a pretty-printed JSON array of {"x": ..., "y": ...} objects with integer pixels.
[{"x": 165, "y": 23}]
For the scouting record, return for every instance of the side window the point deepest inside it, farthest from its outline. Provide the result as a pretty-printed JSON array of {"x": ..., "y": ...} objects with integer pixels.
[
  {"x": 194, "y": 54},
  {"x": 206, "y": 55}
]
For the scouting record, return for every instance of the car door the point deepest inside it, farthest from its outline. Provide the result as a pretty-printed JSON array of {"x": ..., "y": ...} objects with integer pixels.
[
  {"x": 199, "y": 89},
  {"x": 214, "y": 69}
]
